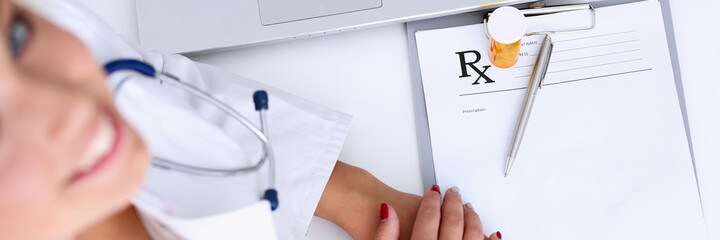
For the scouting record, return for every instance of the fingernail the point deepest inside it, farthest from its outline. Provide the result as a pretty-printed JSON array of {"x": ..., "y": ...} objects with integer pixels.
[
  {"x": 436, "y": 188},
  {"x": 383, "y": 212},
  {"x": 469, "y": 206},
  {"x": 455, "y": 189},
  {"x": 499, "y": 235}
]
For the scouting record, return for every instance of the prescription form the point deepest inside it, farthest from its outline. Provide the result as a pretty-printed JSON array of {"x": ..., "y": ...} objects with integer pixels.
[{"x": 605, "y": 154}]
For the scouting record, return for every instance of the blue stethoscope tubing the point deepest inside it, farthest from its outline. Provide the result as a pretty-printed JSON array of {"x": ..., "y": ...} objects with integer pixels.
[{"x": 260, "y": 99}]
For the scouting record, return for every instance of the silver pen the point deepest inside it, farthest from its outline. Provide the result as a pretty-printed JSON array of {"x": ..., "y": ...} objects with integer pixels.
[{"x": 538, "y": 75}]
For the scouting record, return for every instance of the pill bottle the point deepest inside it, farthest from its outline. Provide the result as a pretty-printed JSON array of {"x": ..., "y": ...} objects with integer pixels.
[{"x": 506, "y": 27}]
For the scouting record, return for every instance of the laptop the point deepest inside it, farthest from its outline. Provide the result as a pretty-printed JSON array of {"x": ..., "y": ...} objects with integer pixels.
[{"x": 187, "y": 26}]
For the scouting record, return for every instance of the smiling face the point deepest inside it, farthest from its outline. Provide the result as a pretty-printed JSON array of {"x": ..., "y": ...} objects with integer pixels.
[{"x": 67, "y": 160}]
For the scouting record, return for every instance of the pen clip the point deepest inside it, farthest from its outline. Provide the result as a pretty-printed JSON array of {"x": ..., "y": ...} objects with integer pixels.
[{"x": 546, "y": 61}]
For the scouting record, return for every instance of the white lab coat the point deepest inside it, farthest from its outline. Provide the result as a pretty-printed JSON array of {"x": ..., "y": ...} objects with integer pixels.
[{"x": 307, "y": 139}]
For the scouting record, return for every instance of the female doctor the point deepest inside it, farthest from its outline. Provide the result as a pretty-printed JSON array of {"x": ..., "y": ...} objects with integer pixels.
[{"x": 74, "y": 151}]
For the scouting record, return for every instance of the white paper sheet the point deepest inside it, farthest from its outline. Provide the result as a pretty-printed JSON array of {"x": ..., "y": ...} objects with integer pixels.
[
  {"x": 701, "y": 84},
  {"x": 605, "y": 155}
]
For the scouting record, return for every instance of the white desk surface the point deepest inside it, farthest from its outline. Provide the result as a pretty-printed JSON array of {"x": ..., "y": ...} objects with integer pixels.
[{"x": 366, "y": 73}]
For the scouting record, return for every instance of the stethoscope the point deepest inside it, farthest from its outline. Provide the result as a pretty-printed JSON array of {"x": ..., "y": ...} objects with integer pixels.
[{"x": 261, "y": 105}]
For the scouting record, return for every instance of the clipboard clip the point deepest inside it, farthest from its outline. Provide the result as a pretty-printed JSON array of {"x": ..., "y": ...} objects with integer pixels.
[{"x": 539, "y": 8}]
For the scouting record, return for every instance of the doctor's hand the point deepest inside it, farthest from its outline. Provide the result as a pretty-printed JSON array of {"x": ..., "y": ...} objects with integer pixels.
[{"x": 436, "y": 219}]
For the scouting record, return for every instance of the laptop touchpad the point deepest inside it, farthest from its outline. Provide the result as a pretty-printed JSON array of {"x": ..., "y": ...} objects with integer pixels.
[{"x": 279, "y": 11}]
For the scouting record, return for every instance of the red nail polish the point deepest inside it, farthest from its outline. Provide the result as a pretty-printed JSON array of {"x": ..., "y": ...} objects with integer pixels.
[
  {"x": 436, "y": 188},
  {"x": 499, "y": 235},
  {"x": 383, "y": 212}
]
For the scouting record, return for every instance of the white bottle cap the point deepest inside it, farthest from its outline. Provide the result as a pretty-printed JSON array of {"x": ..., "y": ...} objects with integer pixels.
[{"x": 507, "y": 25}]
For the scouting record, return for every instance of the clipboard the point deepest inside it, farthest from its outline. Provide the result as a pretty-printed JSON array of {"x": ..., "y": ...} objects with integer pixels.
[{"x": 421, "y": 117}]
